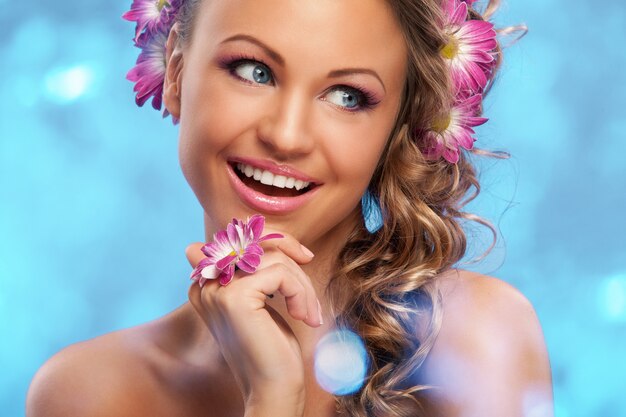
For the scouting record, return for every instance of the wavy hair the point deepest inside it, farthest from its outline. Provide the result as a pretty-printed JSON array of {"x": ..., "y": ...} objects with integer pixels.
[
  {"x": 384, "y": 288},
  {"x": 384, "y": 285}
]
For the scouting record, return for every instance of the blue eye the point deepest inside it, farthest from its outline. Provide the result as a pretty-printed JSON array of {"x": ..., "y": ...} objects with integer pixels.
[
  {"x": 348, "y": 98},
  {"x": 253, "y": 71},
  {"x": 351, "y": 99}
]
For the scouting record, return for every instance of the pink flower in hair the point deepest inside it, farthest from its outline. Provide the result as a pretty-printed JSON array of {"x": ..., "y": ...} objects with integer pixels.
[
  {"x": 149, "y": 72},
  {"x": 238, "y": 246},
  {"x": 469, "y": 50},
  {"x": 148, "y": 14},
  {"x": 453, "y": 130}
]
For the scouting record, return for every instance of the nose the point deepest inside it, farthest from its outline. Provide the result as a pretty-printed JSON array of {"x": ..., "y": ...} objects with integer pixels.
[{"x": 284, "y": 129}]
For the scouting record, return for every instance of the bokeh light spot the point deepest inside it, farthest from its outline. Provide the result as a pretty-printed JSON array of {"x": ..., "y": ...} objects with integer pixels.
[
  {"x": 612, "y": 298},
  {"x": 341, "y": 362},
  {"x": 65, "y": 85}
]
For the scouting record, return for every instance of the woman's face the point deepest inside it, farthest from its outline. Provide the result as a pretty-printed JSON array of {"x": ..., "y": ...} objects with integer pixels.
[{"x": 300, "y": 89}]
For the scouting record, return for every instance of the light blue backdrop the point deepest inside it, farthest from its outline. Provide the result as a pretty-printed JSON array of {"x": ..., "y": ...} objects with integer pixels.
[{"x": 95, "y": 214}]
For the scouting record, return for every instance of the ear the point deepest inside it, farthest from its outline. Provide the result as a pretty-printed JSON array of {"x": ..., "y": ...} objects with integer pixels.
[{"x": 172, "y": 85}]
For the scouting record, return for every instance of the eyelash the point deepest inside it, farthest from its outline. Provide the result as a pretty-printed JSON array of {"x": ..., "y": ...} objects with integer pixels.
[{"x": 367, "y": 100}]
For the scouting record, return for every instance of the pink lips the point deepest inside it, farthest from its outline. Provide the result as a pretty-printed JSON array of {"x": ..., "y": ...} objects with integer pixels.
[
  {"x": 274, "y": 168},
  {"x": 266, "y": 203}
]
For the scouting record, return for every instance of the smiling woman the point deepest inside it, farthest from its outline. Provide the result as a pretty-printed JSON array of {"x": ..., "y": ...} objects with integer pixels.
[
  {"x": 285, "y": 106},
  {"x": 303, "y": 116}
]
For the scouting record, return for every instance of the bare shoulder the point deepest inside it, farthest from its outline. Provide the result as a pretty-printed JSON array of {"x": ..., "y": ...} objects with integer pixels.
[
  {"x": 99, "y": 377},
  {"x": 474, "y": 301},
  {"x": 490, "y": 357},
  {"x": 166, "y": 367}
]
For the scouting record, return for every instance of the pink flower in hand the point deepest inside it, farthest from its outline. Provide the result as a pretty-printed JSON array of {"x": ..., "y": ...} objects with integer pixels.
[{"x": 237, "y": 246}]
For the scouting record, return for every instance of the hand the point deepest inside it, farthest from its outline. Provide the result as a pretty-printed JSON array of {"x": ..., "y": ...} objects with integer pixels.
[{"x": 256, "y": 342}]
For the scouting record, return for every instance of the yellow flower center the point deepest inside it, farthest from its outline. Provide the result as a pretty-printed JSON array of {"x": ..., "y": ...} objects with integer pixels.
[
  {"x": 161, "y": 4},
  {"x": 441, "y": 123},
  {"x": 451, "y": 49},
  {"x": 236, "y": 254}
]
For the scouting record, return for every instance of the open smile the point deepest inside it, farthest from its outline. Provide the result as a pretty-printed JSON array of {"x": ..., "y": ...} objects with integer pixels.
[{"x": 270, "y": 188}]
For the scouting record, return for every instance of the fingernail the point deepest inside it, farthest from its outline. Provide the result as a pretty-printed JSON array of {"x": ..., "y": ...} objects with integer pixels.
[
  {"x": 307, "y": 251},
  {"x": 319, "y": 309}
]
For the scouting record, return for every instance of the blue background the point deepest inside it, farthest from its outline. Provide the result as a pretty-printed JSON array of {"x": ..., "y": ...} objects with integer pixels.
[{"x": 95, "y": 214}]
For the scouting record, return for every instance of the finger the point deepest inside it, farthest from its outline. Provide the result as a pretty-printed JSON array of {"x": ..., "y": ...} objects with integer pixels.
[
  {"x": 314, "y": 313},
  {"x": 313, "y": 316},
  {"x": 194, "y": 253},
  {"x": 290, "y": 281},
  {"x": 291, "y": 247},
  {"x": 195, "y": 299}
]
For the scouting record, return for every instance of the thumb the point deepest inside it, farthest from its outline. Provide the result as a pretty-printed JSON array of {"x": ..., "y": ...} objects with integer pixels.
[{"x": 194, "y": 254}]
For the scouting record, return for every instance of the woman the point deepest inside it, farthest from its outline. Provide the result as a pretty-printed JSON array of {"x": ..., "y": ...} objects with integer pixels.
[{"x": 356, "y": 104}]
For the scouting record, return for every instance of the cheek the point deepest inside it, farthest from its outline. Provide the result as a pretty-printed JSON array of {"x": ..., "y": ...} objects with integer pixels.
[
  {"x": 212, "y": 117},
  {"x": 355, "y": 149}
]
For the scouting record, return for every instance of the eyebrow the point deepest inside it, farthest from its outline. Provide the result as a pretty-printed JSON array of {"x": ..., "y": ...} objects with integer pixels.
[
  {"x": 272, "y": 53},
  {"x": 280, "y": 60},
  {"x": 350, "y": 71}
]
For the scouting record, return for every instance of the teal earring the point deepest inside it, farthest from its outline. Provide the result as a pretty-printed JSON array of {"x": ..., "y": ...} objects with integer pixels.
[{"x": 372, "y": 215}]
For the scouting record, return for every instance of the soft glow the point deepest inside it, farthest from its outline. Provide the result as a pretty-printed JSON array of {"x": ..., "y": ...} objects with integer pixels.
[
  {"x": 538, "y": 402},
  {"x": 340, "y": 362},
  {"x": 612, "y": 298},
  {"x": 65, "y": 85}
]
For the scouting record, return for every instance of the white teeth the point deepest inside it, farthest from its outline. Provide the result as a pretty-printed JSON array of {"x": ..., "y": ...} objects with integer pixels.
[
  {"x": 279, "y": 181},
  {"x": 268, "y": 178}
]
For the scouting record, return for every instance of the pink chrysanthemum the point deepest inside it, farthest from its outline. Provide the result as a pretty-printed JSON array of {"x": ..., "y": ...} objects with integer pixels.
[
  {"x": 469, "y": 48},
  {"x": 149, "y": 72},
  {"x": 238, "y": 246},
  {"x": 148, "y": 14},
  {"x": 453, "y": 130}
]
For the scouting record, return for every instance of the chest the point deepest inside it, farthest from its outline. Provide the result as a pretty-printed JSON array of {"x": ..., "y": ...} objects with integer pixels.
[{"x": 192, "y": 392}]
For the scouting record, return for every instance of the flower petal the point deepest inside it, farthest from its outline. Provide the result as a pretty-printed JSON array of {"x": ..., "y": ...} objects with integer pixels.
[
  {"x": 254, "y": 248},
  {"x": 251, "y": 259},
  {"x": 210, "y": 272},
  {"x": 270, "y": 236},
  {"x": 204, "y": 262},
  {"x": 451, "y": 155},
  {"x": 459, "y": 15},
  {"x": 224, "y": 262},
  {"x": 256, "y": 225},
  {"x": 445, "y": 142},
  {"x": 246, "y": 267},
  {"x": 227, "y": 275}
]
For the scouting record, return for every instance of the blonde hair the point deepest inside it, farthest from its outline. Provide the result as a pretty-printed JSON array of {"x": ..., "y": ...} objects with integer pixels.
[{"x": 384, "y": 288}]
